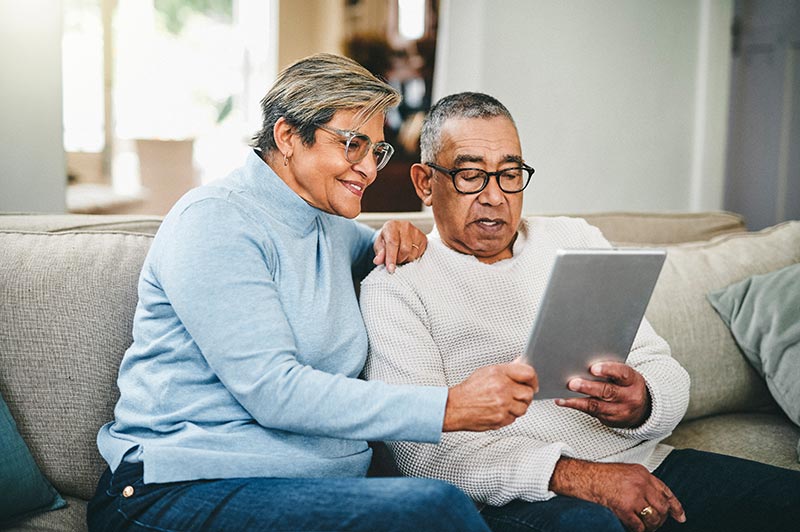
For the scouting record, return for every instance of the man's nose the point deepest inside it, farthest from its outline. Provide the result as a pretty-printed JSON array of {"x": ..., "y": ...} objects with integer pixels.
[{"x": 492, "y": 194}]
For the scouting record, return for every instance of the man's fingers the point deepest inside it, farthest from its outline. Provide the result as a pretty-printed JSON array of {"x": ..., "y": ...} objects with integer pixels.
[
  {"x": 614, "y": 371},
  {"x": 522, "y": 393},
  {"x": 602, "y": 410},
  {"x": 605, "y": 391},
  {"x": 523, "y": 374},
  {"x": 675, "y": 506}
]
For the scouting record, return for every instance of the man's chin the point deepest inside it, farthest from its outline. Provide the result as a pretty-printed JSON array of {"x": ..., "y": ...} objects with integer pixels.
[{"x": 485, "y": 250}]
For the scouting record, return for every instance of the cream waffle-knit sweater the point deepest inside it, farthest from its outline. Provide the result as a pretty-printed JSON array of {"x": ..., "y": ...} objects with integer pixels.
[{"x": 435, "y": 321}]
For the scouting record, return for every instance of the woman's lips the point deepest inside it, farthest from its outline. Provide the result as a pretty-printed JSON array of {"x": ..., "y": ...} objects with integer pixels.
[{"x": 354, "y": 187}]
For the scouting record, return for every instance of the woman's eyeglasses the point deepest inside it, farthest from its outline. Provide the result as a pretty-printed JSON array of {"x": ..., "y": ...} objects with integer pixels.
[{"x": 357, "y": 146}]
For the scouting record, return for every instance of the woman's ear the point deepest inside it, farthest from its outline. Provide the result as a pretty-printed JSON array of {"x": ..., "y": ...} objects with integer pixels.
[
  {"x": 421, "y": 177},
  {"x": 285, "y": 138}
]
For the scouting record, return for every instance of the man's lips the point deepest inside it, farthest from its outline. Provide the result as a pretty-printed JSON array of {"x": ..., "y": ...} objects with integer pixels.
[
  {"x": 489, "y": 223},
  {"x": 354, "y": 187}
]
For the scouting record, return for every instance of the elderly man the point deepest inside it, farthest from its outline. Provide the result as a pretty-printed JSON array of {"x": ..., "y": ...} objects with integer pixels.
[{"x": 589, "y": 463}]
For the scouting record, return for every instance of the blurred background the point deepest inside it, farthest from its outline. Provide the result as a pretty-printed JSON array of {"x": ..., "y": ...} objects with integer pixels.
[{"x": 120, "y": 106}]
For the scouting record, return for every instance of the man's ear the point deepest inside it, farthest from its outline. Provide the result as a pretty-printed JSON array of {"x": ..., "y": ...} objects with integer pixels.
[
  {"x": 421, "y": 177},
  {"x": 285, "y": 137}
]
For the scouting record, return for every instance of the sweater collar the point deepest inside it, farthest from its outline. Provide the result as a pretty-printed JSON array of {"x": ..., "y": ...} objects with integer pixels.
[{"x": 283, "y": 203}]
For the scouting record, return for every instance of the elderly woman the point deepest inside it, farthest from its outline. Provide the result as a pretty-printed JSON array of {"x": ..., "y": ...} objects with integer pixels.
[{"x": 240, "y": 406}]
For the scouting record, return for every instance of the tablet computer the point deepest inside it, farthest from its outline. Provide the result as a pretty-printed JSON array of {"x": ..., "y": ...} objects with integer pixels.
[{"x": 590, "y": 311}]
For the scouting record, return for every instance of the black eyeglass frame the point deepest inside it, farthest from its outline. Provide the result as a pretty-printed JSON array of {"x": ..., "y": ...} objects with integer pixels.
[
  {"x": 349, "y": 135},
  {"x": 452, "y": 173}
]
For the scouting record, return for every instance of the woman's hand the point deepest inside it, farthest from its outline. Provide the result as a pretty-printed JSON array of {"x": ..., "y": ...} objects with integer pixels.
[
  {"x": 490, "y": 398},
  {"x": 398, "y": 242}
]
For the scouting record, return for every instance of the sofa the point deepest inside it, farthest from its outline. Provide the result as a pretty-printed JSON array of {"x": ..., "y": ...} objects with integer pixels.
[{"x": 68, "y": 294}]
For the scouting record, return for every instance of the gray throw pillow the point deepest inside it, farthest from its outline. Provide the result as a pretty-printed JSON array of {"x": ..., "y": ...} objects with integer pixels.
[{"x": 763, "y": 314}]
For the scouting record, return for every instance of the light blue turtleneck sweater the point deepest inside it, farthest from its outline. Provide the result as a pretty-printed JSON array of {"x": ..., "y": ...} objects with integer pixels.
[{"x": 248, "y": 341}]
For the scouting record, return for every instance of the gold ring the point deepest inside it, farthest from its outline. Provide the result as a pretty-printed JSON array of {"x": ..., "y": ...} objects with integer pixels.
[
  {"x": 414, "y": 246},
  {"x": 646, "y": 512}
]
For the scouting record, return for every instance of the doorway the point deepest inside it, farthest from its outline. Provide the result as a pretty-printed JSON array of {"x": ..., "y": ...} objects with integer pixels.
[{"x": 763, "y": 155}]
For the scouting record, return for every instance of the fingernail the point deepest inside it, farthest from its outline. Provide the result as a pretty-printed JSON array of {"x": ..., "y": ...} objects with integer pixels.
[
  {"x": 390, "y": 267},
  {"x": 574, "y": 385},
  {"x": 561, "y": 402},
  {"x": 597, "y": 369},
  {"x": 682, "y": 518}
]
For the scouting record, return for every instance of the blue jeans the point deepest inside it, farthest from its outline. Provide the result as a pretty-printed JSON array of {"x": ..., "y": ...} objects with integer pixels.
[
  {"x": 241, "y": 504},
  {"x": 718, "y": 493}
]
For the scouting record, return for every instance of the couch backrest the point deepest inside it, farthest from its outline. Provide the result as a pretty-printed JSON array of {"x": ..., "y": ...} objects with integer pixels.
[
  {"x": 63, "y": 223},
  {"x": 66, "y": 308},
  {"x": 621, "y": 228}
]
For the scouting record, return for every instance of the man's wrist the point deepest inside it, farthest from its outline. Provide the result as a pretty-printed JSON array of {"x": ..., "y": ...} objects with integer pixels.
[{"x": 570, "y": 477}]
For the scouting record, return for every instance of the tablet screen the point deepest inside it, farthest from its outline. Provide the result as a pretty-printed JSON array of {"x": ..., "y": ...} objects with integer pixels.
[{"x": 590, "y": 311}]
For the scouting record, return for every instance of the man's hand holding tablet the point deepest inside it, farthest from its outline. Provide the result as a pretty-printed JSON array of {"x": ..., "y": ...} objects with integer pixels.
[{"x": 588, "y": 318}]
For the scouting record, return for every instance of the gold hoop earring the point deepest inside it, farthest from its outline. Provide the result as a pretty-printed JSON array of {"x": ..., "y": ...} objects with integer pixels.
[{"x": 286, "y": 159}]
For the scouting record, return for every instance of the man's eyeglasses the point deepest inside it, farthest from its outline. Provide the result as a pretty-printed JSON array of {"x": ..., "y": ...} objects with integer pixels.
[
  {"x": 473, "y": 180},
  {"x": 357, "y": 146}
]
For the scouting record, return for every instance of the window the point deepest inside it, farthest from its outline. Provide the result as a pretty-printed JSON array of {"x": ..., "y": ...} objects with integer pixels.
[{"x": 180, "y": 80}]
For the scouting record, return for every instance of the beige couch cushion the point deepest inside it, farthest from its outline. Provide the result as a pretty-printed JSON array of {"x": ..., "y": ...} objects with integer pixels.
[
  {"x": 769, "y": 438},
  {"x": 722, "y": 380},
  {"x": 65, "y": 321}
]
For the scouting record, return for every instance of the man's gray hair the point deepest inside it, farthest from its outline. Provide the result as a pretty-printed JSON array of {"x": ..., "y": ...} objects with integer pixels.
[
  {"x": 460, "y": 105},
  {"x": 309, "y": 92}
]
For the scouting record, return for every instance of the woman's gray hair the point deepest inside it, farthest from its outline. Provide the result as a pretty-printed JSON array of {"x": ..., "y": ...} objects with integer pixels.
[
  {"x": 309, "y": 92},
  {"x": 460, "y": 105}
]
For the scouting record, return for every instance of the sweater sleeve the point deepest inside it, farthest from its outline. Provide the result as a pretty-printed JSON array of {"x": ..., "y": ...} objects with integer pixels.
[
  {"x": 491, "y": 467},
  {"x": 667, "y": 383}
]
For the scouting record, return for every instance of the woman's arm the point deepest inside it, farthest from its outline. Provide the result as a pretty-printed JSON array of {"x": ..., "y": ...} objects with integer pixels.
[{"x": 218, "y": 275}]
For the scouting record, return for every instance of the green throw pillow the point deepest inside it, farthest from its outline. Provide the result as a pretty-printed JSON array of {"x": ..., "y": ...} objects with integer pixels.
[
  {"x": 23, "y": 489},
  {"x": 763, "y": 313}
]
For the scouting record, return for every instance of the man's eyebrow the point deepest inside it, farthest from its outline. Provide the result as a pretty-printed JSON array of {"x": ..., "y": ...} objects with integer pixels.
[{"x": 461, "y": 159}]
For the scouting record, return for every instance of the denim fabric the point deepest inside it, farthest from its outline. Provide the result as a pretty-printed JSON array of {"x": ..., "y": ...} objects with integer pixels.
[
  {"x": 298, "y": 504},
  {"x": 718, "y": 493}
]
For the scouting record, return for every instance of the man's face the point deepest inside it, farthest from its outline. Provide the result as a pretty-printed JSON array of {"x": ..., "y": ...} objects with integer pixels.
[{"x": 483, "y": 224}]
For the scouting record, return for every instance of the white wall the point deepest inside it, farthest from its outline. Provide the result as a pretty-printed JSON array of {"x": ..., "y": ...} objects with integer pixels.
[
  {"x": 32, "y": 166},
  {"x": 621, "y": 104}
]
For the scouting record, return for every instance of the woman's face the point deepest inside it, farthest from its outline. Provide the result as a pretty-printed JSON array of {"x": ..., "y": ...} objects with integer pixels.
[{"x": 322, "y": 176}]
